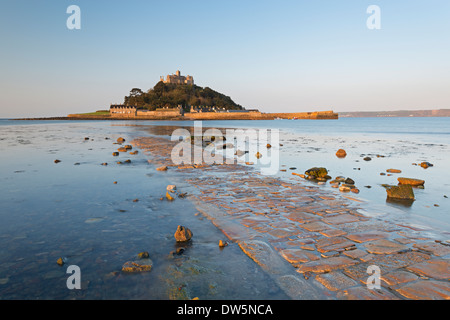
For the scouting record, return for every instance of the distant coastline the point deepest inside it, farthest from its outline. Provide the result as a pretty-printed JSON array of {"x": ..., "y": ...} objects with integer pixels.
[{"x": 398, "y": 113}]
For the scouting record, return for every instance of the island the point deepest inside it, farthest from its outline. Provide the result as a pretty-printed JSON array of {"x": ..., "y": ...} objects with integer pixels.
[{"x": 177, "y": 97}]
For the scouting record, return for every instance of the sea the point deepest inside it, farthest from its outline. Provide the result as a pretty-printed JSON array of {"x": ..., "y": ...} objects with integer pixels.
[{"x": 97, "y": 215}]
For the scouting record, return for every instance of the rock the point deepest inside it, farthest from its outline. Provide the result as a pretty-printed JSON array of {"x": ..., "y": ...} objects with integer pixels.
[
  {"x": 163, "y": 168},
  {"x": 134, "y": 152},
  {"x": 355, "y": 190},
  {"x": 60, "y": 261},
  {"x": 341, "y": 153},
  {"x": 317, "y": 172},
  {"x": 403, "y": 191},
  {"x": 128, "y": 147},
  {"x": 239, "y": 153},
  {"x": 269, "y": 146},
  {"x": 344, "y": 188},
  {"x": 123, "y": 149},
  {"x": 394, "y": 171},
  {"x": 57, "y": 161},
  {"x": 115, "y": 182},
  {"x": 120, "y": 140},
  {"x": 115, "y": 154},
  {"x": 183, "y": 234},
  {"x": 367, "y": 158},
  {"x": 169, "y": 197},
  {"x": 426, "y": 164},
  {"x": 142, "y": 265},
  {"x": 104, "y": 164},
  {"x": 258, "y": 155},
  {"x": 143, "y": 255},
  {"x": 410, "y": 181},
  {"x": 349, "y": 181},
  {"x": 223, "y": 244},
  {"x": 127, "y": 161},
  {"x": 171, "y": 188}
]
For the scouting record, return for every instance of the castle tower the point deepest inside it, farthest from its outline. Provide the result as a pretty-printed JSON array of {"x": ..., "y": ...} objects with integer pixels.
[{"x": 178, "y": 73}]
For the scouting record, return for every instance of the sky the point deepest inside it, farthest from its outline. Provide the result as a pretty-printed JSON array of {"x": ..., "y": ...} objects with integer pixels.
[{"x": 275, "y": 56}]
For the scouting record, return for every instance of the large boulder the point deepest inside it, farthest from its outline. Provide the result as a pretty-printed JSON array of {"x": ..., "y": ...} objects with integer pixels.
[
  {"x": 411, "y": 181},
  {"x": 401, "y": 192},
  {"x": 317, "y": 172}
]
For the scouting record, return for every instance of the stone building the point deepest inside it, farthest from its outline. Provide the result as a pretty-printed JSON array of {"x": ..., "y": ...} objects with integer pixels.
[
  {"x": 177, "y": 78},
  {"x": 122, "y": 110}
]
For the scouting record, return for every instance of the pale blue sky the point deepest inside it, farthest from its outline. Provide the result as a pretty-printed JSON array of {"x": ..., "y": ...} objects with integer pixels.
[{"x": 272, "y": 55}]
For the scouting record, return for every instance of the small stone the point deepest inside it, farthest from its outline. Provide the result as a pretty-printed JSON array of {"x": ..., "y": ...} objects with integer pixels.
[
  {"x": 344, "y": 189},
  {"x": 269, "y": 146},
  {"x": 169, "y": 197},
  {"x": 367, "y": 158},
  {"x": 60, "y": 261},
  {"x": 115, "y": 154},
  {"x": 57, "y": 161},
  {"x": 163, "y": 168},
  {"x": 341, "y": 153},
  {"x": 425, "y": 165},
  {"x": 104, "y": 164},
  {"x": 171, "y": 188},
  {"x": 120, "y": 140},
  {"x": 115, "y": 182},
  {"x": 394, "y": 171},
  {"x": 223, "y": 244},
  {"x": 143, "y": 255},
  {"x": 183, "y": 234},
  {"x": 355, "y": 190},
  {"x": 349, "y": 181},
  {"x": 258, "y": 155}
]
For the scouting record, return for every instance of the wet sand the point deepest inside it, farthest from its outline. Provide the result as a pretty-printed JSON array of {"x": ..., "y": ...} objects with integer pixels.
[{"x": 313, "y": 244}]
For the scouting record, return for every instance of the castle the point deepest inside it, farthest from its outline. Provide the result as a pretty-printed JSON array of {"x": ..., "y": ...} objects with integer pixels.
[{"x": 177, "y": 78}]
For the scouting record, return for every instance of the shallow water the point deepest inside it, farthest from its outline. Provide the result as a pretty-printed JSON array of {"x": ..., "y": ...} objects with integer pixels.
[
  {"x": 73, "y": 209},
  {"x": 400, "y": 141}
]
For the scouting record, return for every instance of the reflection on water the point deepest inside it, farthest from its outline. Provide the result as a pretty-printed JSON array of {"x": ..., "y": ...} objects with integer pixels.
[{"x": 73, "y": 209}]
